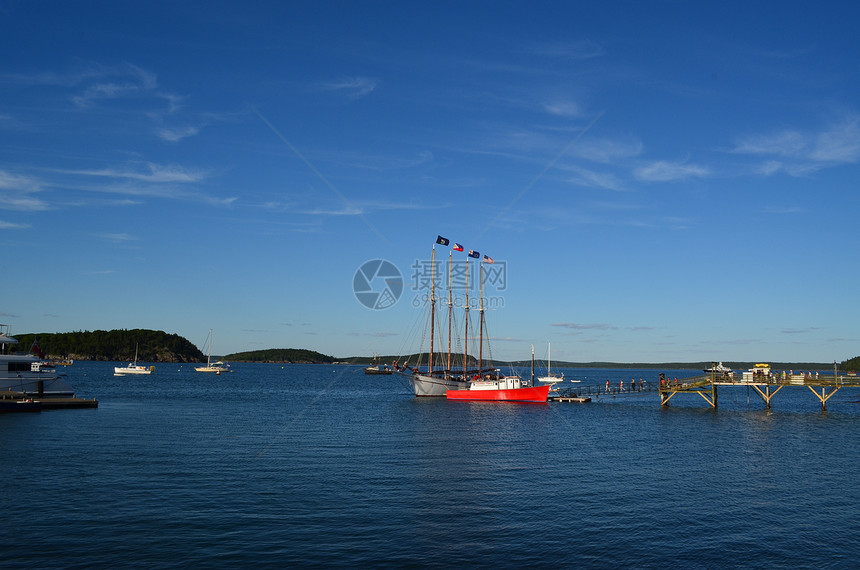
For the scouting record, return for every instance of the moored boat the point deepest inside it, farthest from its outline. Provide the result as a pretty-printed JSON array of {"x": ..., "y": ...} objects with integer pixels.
[
  {"x": 377, "y": 368},
  {"x": 475, "y": 379},
  {"x": 432, "y": 378},
  {"x": 25, "y": 373},
  {"x": 550, "y": 378},
  {"x": 133, "y": 367},
  {"x": 719, "y": 368},
  {"x": 502, "y": 389},
  {"x": 217, "y": 367}
]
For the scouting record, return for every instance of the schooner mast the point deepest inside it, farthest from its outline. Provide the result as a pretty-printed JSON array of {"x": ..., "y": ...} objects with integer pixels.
[
  {"x": 466, "y": 336},
  {"x": 481, "y": 335},
  {"x": 432, "y": 308},
  {"x": 450, "y": 305}
]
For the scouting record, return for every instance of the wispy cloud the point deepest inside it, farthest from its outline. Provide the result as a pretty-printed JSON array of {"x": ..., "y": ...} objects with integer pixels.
[
  {"x": 115, "y": 83},
  {"x": 800, "y": 153},
  {"x": 605, "y": 150},
  {"x": 665, "y": 171},
  {"x": 116, "y": 238},
  {"x": 585, "y": 326},
  {"x": 150, "y": 172},
  {"x": 800, "y": 331},
  {"x": 16, "y": 193},
  {"x": 176, "y": 134},
  {"x": 784, "y": 210},
  {"x": 352, "y": 86},
  {"x": 4, "y": 225},
  {"x": 363, "y": 208},
  {"x": 593, "y": 179},
  {"x": 563, "y": 108}
]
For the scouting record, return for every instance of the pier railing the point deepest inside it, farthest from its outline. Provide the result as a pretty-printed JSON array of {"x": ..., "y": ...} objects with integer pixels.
[{"x": 824, "y": 386}]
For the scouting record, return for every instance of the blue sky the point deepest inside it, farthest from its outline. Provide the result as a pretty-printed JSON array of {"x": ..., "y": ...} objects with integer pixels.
[{"x": 665, "y": 181}]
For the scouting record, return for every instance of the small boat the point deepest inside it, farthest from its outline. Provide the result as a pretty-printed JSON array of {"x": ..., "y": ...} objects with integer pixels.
[
  {"x": 502, "y": 389},
  {"x": 718, "y": 368},
  {"x": 550, "y": 377},
  {"x": 216, "y": 367},
  {"x": 133, "y": 367},
  {"x": 377, "y": 368}
]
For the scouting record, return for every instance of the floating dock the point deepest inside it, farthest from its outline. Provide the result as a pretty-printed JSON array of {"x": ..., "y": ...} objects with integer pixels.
[
  {"x": 11, "y": 402},
  {"x": 570, "y": 399}
]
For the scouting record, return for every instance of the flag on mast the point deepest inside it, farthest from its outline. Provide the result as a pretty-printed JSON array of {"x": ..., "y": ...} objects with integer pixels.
[
  {"x": 488, "y": 259},
  {"x": 458, "y": 247},
  {"x": 441, "y": 241},
  {"x": 475, "y": 254}
]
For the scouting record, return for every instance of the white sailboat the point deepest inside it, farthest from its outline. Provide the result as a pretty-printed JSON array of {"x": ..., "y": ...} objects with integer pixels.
[
  {"x": 216, "y": 367},
  {"x": 550, "y": 377},
  {"x": 133, "y": 367}
]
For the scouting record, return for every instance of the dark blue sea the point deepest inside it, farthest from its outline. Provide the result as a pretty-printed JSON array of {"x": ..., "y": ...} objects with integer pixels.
[{"x": 280, "y": 466}]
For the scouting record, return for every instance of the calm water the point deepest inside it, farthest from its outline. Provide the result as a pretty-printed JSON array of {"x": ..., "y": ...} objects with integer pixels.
[{"x": 323, "y": 466}]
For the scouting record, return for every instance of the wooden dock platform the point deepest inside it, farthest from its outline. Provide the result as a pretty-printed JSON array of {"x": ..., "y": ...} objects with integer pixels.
[
  {"x": 67, "y": 403},
  {"x": 19, "y": 401},
  {"x": 570, "y": 399}
]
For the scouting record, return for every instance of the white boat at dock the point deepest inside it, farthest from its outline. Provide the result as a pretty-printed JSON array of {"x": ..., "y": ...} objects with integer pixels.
[{"x": 25, "y": 373}]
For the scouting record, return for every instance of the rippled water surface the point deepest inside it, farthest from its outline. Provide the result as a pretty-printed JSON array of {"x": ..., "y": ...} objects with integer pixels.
[{"x": 319, "y": 465}]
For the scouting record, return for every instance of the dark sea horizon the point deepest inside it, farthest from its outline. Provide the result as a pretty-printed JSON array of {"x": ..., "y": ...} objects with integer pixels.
[{"x": 320, "y": 465}]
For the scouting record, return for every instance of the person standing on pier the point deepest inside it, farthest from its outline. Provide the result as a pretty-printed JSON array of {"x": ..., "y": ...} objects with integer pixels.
[{"x": 633, "y": 384}]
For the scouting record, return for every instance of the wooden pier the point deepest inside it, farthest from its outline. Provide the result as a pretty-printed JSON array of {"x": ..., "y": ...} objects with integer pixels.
[{"x": 767, "y": 386}]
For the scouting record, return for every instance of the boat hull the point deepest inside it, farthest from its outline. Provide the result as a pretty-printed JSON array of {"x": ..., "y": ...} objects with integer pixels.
[
  {"x": 376, "y": 370},
  {"x": 119, "y": 371},
  {"x": 538, "y": 394},
  {"x": 434, "y": 387}
]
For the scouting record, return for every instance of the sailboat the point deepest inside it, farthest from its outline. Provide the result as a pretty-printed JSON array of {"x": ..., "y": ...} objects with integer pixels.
[
  {"x": 377, "y": 368},
  {"x": 550, "y": 377},
  {"x": 479, "y": 383},
  {"x": 133, "y": 367},
  {"x": 216, "y": 367},
  {"x": 437, "y": 379}
]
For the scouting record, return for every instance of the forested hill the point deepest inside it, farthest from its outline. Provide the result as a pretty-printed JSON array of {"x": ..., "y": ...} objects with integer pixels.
[
  {"x": 115, "y": 345},
  {"x": 285, "y": 355}
]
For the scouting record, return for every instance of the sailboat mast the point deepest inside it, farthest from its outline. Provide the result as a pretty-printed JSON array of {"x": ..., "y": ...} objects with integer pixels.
[
  {"x": 481, "y": 336},
  {"x": 209, "y": 356},
  {"x": 533, "y": 365},
  {"x": 466, "y": 336},
  {"x": 548, "y": 360},
  {"x": 450, "y": 305},
  {"x": 432, "y": 307}
]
